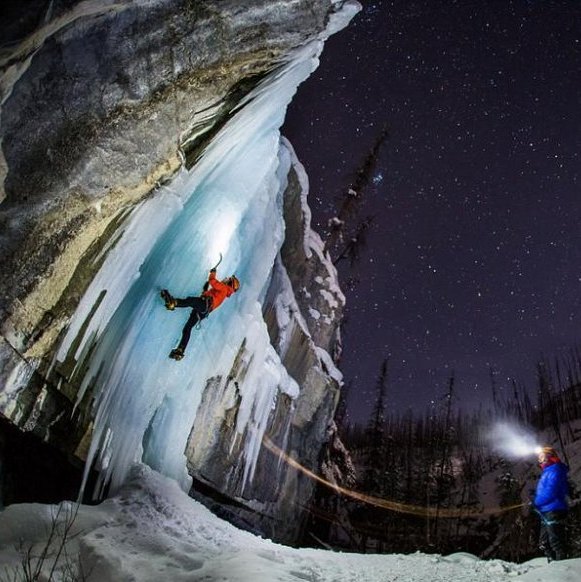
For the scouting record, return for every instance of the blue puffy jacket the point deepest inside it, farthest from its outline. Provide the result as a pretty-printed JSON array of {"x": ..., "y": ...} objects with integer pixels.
[{"x": 552, "y": 488}]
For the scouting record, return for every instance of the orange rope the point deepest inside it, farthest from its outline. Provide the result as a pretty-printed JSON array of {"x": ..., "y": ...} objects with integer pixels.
[{"x": 384, "y": 503}]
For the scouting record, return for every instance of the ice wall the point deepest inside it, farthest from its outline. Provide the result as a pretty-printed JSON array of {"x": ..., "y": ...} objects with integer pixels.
[{"x": 229, "y": 203}]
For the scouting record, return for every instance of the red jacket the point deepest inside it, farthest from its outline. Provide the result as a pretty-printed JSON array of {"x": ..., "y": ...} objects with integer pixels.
[{"x": 218, "y": 291}]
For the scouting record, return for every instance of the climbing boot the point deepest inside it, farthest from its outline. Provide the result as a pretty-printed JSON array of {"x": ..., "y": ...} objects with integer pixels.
[
  {"x": 177, "y": 354},
  {"x": 170, "y": 302}
]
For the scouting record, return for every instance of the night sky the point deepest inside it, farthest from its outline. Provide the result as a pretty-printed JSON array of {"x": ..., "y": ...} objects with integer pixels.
[{"x": 474, "y": 259}]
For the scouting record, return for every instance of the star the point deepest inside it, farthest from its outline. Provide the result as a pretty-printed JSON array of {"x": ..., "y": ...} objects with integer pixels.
[{"x": 475, "y": 193}]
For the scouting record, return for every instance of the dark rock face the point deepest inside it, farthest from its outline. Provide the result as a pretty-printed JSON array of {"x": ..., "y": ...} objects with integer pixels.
[{"x": 51, "y": 478}]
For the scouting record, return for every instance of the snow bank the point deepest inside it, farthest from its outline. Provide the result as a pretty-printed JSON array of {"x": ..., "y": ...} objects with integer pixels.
[{"x": 152, "y": 531}]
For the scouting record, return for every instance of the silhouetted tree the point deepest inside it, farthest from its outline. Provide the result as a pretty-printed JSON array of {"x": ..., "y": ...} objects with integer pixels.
[
  {"x": 344, "y": 239},
  {"x": 376, "y": 449}
]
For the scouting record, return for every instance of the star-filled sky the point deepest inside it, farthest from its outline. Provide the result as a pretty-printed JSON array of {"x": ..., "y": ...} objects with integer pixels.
[{"x": 474, "y": 257}]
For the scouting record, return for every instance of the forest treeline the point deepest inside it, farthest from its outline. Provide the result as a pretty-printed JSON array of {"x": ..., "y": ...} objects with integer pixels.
[{"x": 455, "y": 492}]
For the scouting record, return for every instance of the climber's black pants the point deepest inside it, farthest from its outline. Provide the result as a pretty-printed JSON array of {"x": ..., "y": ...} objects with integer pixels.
[
  {"x": 553, "y": 535},
  {"x": 200, "y": 309}
]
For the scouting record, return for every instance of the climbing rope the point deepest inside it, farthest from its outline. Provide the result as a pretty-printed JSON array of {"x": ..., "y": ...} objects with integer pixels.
[{"x": 385, "y": 503}]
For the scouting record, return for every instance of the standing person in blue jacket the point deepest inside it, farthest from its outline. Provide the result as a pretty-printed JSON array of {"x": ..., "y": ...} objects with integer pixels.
[{"x": 551, "y": 504}]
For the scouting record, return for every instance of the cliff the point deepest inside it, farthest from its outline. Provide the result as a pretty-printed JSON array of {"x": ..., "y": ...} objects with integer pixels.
[{"x": 103, "y": 104}]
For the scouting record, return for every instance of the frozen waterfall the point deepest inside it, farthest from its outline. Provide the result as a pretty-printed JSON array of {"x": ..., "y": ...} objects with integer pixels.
[{"x": 229, "y": 203}]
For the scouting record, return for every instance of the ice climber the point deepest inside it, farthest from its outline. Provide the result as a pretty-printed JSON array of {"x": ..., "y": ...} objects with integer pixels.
[
  {"x": 215, "y": 291},
  {"x": 551, "y": 504}
]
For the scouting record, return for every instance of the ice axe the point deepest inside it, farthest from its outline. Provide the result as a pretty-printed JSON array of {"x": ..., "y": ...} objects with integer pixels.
[
  {"x": 207, "y": 284},
  {"x": 216, "y": 265}
]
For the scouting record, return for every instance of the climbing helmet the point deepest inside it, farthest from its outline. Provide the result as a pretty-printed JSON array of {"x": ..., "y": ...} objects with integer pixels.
[{"x": 234, "y": 283}]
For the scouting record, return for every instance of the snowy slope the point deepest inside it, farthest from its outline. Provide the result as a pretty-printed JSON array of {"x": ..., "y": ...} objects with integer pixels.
[{"x": 152, "y": 531}]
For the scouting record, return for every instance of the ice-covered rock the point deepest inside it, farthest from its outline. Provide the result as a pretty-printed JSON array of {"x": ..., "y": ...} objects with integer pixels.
[{"x": 140, "y": 140}]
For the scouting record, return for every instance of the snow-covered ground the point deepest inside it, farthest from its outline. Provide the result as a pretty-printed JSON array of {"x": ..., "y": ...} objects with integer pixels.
[{"x": 151, "y": 531}]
